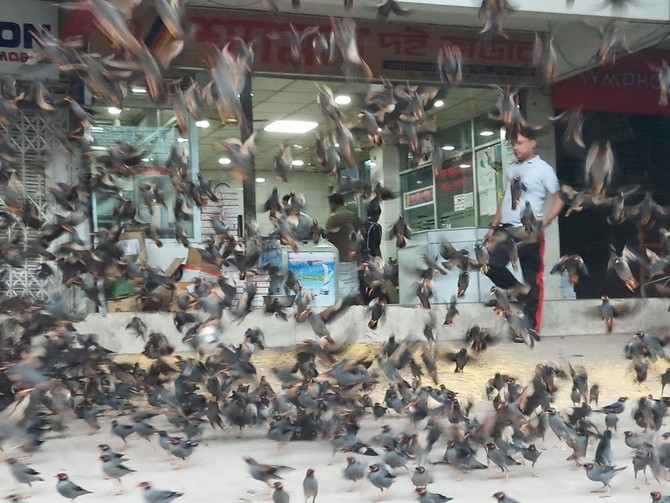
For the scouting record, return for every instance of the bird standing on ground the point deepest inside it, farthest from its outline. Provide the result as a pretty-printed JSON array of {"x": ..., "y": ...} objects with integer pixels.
[
  {"x": 69, "y": 489},
  {"x": 310, "y": 486},
  {"x": 279, "y": 495},
  {"x": 152, "y": 495},
  {"x": 22, "y": 472}
]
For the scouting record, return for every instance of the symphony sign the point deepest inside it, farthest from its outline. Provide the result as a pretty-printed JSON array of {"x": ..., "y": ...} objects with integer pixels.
[
  {"x": 629, "y": 86},
  {"x": 19, "y": 21}
]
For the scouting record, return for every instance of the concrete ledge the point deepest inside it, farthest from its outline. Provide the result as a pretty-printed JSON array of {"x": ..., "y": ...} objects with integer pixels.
[{"x": 560, "y": 318}]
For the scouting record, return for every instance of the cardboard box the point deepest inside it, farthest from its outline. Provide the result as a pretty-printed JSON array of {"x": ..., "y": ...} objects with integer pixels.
[
  {"x": 125, "y": 305},
  {"x": 195, "y": 267},
  {"x": 133, "y": 246},
  {"x": 168, "y": 297}
]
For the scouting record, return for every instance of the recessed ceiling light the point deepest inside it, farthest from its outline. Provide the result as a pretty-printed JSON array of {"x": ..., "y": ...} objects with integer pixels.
[
  {"x": 224, "y": 161},
  {"x": 463, "y": 166},
  {"x": 342, "y": 99},
  {"x": 260, "y": 179},
  {"x": 139, "y": 90},
  {"x": 290, "y": 127},
  {"x": 438, "y": 104},
  {"x": 337, "y": 145},
  {"x": 448, "y": 147},
  {"x": 379, "y": 130},
  {"x": 202, "y": 124},
  {"x": 298, "y": 162},
  {"x": 114, "y": 110},
  {"x": 486, "y": 133}
]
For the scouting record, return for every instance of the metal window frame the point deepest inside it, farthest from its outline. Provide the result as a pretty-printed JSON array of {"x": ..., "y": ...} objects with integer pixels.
[{"x": 475, "y": 182}]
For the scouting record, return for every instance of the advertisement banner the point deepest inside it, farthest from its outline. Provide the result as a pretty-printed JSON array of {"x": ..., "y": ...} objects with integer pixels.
[
  {"x": 19, "y": 22},
  {"x": 315, "y": 270}
]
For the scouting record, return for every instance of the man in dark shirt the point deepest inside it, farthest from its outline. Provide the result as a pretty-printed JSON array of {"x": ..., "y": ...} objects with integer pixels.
[{"x": 341, "y": 229}]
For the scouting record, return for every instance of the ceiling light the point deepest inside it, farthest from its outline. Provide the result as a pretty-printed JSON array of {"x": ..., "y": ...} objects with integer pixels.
[
  {"x": 202, "y": 124},
  {"x": 419, "y": 182},
  {"x": 182, "y": 140},
  {"x": 114, "y": 111},
  {"x": 260, "y": 180},
  {"x": 342, "y": 99},
  {"x": 145, "y": 159},
  {"x": 139, "y": 90},
  {"x": 290, "y": 127},
  {"x": 463, "y": 166},
  {"x": 486, "y": 133},
  {"x": 98, "y": 147},
  {"x": 438, "y": 104},
  {"x": 299, "y": 147},
  {"x": 337, "y": 145},
  {"x": 379, "y": 130},
  {"x": 224, "y": 161},
  {"x": 448, "y": 147},
  {"x": 298, "y": 162},
  {"x": 97, "y": 128}
]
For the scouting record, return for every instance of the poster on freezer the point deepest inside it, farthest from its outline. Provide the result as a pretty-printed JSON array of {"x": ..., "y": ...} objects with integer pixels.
[{"x": 316, "y": 272}]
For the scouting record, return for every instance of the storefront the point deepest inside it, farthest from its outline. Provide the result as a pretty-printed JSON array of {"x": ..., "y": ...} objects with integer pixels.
[{"x": 462, "y": 195}]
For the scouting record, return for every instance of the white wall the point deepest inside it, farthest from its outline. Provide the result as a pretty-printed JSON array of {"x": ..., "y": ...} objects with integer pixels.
[{"x": 538, "y": 108}]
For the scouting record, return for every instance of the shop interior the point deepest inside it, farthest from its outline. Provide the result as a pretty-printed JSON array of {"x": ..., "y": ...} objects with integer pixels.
[{"x": 464, "y": 193}]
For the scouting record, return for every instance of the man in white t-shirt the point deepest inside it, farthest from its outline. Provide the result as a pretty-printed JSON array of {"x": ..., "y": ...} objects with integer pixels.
[{"x": 537, "y": 181}]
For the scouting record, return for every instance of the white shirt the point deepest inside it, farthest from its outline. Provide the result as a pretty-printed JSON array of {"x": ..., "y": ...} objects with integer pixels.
[{"x": 539, "y": 179}]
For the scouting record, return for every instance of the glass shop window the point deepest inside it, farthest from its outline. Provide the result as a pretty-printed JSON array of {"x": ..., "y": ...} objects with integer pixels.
[
  {"x": 489, "y": 167},
  {"x": 454, "y": 188},
  {"x": 351, "y": 201},
  {"x": 154, "y": 134},
  {"x": 418, "y": 206}
]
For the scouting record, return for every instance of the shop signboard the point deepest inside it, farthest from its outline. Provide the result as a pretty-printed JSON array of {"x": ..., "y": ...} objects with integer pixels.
[
  {"x": 419, "y": 197},
  {"x": 630, "y": 85},
  {"x": 316, "y": 272},
  {"x": 398, "y": 51},
  {"x": 19, "y": 22}
]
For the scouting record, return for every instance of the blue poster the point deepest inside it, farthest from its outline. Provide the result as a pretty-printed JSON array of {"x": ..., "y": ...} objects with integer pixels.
[{"x": 316, "y": 272}]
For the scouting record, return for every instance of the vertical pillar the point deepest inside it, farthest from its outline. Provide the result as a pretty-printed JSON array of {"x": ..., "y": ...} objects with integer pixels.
[
  {"x": 385, "y": 167},
  {"x": 246, "y": 130},
  {"x": 539, "y": 106}
]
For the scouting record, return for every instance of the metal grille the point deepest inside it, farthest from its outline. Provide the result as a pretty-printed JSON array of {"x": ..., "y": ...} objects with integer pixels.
[{"x": 33, "y": 134}]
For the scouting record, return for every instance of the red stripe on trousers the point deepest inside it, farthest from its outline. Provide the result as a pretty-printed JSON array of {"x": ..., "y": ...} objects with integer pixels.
[{"x": 540, "y": 284}]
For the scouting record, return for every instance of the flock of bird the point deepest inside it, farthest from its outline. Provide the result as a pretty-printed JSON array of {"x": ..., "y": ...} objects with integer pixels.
[{"x": 52, "y": 375}]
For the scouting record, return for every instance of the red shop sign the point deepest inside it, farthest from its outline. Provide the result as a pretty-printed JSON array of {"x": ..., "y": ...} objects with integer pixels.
[
  {"x": 418, "y": 197},
  {"x": 628, "y": 86}
]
